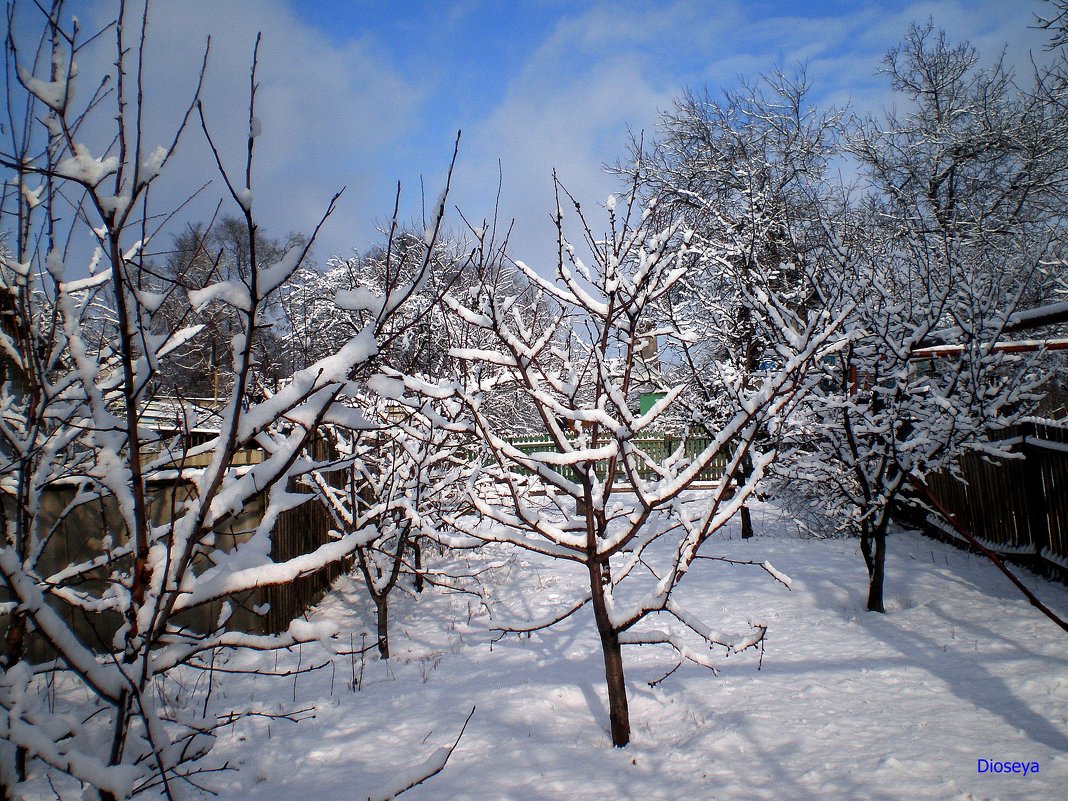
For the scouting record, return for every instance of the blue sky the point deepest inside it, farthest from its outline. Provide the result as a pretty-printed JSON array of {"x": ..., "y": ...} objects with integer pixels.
[{"x": 365, "y": 94}]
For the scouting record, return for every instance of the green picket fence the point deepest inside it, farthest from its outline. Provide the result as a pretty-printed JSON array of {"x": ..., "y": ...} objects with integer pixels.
[{"x": 658, "y": 449}]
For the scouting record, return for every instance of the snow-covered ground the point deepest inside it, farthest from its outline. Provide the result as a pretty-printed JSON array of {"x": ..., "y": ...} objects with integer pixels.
[{"x": 846, "y": 704}]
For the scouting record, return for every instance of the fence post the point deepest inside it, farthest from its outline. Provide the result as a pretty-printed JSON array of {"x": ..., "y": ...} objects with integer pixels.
[{"x": 1035, "y": 493}]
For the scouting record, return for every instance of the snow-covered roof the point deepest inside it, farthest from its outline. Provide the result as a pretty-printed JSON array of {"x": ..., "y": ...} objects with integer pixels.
[{"x": 172, "y": 414}]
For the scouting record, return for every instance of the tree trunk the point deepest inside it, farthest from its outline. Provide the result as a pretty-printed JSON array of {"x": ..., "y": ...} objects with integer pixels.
[
  {"x": 417, "y": 563},
  {"x": 618, "y": 707},
  {"x": 865, "y": 550},
  {"x": 118, "y": 739},
  {"x": 747, "y": 523},
  {"x": 876, "y": 560},
  {"x": 382, "y": 613},
  {"x": 743, "y": 477}
]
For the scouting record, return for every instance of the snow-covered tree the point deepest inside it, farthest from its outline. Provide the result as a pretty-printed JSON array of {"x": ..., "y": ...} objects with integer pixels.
[
  {"x": 594, "y": 497},
  {"x": 148, "y": 590},
  {"x": 888, "y": 419},
  {"x": 421, "y": 334},
  {"x": 965, "y": 207},
  {"x": 393, "y": 481},
  {"x": 395, "y": 471},
  {"x": 972, "y": 155},
  {"x": 747, "y": 171}
]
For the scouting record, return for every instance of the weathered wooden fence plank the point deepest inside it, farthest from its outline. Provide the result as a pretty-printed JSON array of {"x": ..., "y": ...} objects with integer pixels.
[
  {"x": 1016, "y": 506},
  {"x": 299, "y": 531}
]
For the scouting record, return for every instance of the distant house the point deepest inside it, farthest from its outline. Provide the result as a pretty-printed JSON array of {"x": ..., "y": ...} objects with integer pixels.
[
  {"x": 167, "y": 418},
  {"x": 646, "y": 379}
]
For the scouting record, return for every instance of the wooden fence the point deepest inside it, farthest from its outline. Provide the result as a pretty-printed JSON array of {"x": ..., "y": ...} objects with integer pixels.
[
  {"x": 266, "y": 610},
  {"x": 1017, "y": 507},
  {"x": 299, "y": 531}
]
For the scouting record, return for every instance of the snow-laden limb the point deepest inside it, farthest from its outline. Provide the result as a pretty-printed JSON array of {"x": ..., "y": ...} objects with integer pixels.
[
  {"x": 180, "y": 647},
  {"x": 546, "y": 622},
  {"x": 33, "y": 603},
  {"x": 736, "y": 643},
  {"x": 679, "y": 644},
  {"x": 82, "y": 168},
  {"x": 233, "y": 293},
  {"x": 516, "y": 529},
  {"x": 52, "y": 93},
  {"x": 220, "y": 582},
  {"x": 55, "y": 740},
  {"x": 778, "y": 575}
]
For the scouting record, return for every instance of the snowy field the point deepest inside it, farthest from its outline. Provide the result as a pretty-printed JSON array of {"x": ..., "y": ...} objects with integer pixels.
[{"x": 846, "y": 704}]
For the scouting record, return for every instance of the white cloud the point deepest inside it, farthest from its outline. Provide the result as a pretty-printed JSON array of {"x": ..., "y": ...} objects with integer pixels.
[
  {"x": 569, "y": 110},
  {"x": 331, "y": 114}
]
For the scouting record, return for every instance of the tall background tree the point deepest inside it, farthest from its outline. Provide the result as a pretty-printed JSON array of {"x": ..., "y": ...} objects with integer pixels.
[
  {"x": 747, "y": 173},
  {"x": 201, "y": 255}
]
